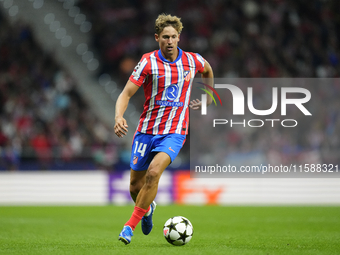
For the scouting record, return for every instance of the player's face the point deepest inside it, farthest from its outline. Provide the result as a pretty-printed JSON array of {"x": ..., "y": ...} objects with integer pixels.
[{"x": 168, "y": 40}]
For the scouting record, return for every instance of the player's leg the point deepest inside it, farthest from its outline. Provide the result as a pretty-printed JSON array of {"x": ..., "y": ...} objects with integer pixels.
[
  {"x": 145, "y": 197},
  {"x": 137, "y": 181},
  {"x": 167, "y": 147},
  {"x": 149, "y": 190},
  {"x": 151, "y": 183},
  {"x": 141, "y": 157}
]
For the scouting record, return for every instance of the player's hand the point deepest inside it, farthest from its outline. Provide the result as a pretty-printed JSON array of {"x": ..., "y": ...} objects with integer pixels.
[
  {"x": 121, "y": 127},
  {"x": 195, "y": 104}
]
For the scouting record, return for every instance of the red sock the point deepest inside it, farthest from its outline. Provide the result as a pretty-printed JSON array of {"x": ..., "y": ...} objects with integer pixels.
[{"x": 136, "y": 217}]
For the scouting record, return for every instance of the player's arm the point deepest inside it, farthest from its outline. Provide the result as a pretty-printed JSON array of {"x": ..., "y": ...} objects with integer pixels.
[
  {"x": 207, "y": 78},
  {"x": 121, "y": 126}
]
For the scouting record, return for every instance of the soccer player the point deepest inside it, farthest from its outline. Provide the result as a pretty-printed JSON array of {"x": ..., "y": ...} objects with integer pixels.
[{"x": 166, "y": 76}]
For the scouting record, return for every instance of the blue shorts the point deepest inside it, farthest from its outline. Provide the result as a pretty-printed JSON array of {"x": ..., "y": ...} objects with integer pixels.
[{"x": 146, "y": 146}]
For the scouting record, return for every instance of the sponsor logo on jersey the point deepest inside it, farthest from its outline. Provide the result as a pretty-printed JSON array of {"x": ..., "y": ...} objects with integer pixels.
[
  {"x": 172, "y": 92},
  {"x": 167, "y": 103},
  {"x": 134, "y": 73}
]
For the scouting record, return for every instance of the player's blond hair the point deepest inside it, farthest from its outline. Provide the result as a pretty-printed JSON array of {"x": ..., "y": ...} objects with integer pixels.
[{"x": 165, "y": 20}]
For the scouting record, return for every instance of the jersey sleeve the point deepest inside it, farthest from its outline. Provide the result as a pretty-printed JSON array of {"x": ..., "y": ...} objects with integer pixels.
[
  {"x": 140, "y": 72},
  {"x": 200, "y": 62}
]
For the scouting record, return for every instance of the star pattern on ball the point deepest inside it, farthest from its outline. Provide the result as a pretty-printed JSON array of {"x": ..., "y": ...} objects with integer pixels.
[
  {"x": 186, "y": 222},
  {"x": 171, "y": 226},
  {"x": 183, "y": 236},
  {"x": 169, "y": 239}
]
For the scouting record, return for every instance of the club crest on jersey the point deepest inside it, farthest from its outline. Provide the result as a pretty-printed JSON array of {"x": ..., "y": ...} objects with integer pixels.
[
  {"x": 135, "y": 160},
  {"x": 187, "y": 75}
]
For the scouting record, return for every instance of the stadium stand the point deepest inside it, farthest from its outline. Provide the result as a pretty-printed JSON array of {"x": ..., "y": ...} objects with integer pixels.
[{"x": 45, "y": 123}]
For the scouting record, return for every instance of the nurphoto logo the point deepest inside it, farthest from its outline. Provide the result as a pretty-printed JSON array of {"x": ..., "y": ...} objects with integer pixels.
[{"x": 238, "y": 107}]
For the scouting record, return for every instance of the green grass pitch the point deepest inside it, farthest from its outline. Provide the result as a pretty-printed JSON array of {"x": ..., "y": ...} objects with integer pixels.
[{"x": 217, "y": 230}]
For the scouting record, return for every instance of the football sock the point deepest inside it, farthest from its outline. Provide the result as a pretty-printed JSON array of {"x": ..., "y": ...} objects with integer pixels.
[
  {"x": 136, "y": 217},
  {"x": 149, "y": 211}
]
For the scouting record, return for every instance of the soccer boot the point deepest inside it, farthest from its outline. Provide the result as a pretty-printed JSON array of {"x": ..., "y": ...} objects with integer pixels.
[
  {"x": 147, "y": 220},
  {"x": 125, "y": 235}
]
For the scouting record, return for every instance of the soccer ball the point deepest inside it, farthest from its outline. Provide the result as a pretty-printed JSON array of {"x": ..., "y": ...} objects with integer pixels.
[{"x": 178, "y": 230}]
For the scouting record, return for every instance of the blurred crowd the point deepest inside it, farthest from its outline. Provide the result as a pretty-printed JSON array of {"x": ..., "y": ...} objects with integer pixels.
[
  {"x": 44, "y": 122},
  {"x": 42, "y": 114},
  {"x": 248, "y": 38}
]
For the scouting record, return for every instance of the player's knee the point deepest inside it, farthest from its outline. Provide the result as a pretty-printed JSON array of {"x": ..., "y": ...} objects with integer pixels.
[{"x": 152, "y": 176}]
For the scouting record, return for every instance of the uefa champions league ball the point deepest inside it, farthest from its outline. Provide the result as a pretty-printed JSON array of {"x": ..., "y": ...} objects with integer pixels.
[{"x": 178, "y": 230}]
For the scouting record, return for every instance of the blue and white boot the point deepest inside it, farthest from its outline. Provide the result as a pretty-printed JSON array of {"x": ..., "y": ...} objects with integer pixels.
[
  {"x": 125, "y": 235},
  {"x": 147, "y": 219}
]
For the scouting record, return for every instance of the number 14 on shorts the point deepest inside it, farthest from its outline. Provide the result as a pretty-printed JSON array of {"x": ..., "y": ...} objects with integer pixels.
[{"x": 140, "y": 148}]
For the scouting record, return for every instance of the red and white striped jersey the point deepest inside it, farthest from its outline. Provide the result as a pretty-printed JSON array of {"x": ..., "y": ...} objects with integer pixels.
[{"x": 167, "y": 88}]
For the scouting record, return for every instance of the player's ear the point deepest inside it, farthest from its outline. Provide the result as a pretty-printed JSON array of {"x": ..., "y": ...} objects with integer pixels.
[
  {"x": 156, "y": 37},
  {"x": 179, "y": 36}
]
